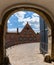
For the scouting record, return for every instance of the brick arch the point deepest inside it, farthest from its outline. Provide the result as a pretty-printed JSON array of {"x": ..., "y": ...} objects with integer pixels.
[{"x": 31, "y": 7}]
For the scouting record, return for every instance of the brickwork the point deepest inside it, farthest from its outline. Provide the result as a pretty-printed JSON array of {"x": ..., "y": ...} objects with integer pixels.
[{"x": 27, "y": 35}]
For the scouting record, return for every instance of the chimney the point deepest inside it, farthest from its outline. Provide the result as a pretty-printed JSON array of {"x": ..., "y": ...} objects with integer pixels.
[{"x": 17, "y": 30}]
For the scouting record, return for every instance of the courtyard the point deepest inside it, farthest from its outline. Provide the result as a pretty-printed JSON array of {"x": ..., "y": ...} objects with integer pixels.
[{"x": 26, "y": 54}]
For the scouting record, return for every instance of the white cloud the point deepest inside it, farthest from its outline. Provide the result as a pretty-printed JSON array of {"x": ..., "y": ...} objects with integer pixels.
[
  {"x": 36, "y": 30},
  {"x": 20, "y": 15},
  {"x": 35, "y": 19},
  {"x": 27, "y": 19},
  {"x": 20, "y": 29},
  {"x": 35, "y": 14},
  {"x": 8, "y": 21},
  {"x": 37, "y": 26},
  {"x": 12, "y": 30},
  {"x": 24, "y": 23}
]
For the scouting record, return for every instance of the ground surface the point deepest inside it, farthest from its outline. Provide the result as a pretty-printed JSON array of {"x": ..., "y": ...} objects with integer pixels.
[{"x": 26, "y": 54}]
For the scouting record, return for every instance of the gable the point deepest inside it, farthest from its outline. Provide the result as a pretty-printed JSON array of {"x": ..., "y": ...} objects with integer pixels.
[{"x": 28, "y": 30}]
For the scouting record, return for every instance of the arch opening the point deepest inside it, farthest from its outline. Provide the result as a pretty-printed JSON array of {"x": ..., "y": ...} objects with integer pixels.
[{"x": 46, "y": 17}]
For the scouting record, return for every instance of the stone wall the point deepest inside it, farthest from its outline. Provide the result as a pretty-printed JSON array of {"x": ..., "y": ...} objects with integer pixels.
[{"x": 15, "y": 38}]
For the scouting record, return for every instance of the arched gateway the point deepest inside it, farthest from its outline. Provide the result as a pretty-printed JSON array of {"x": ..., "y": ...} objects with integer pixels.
[{"x": 24, "y": 6}]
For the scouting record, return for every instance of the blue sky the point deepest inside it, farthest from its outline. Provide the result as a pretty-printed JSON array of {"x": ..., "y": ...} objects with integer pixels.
[{"x": 19, "y": 20}]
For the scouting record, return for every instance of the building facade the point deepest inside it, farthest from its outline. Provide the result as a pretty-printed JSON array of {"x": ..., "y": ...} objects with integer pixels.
[{"x": 27, "y": 35}]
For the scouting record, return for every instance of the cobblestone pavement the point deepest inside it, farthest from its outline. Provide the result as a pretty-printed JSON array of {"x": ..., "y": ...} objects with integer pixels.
[{"x": 26, "y": 54}]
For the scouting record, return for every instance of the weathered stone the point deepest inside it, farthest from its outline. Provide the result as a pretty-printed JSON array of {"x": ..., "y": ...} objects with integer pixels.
[
  {"x": 47, "y": 58},
  {"x": 52, "y": 52}
]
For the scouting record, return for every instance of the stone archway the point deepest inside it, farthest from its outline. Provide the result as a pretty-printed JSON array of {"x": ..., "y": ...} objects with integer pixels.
[{"x": 10, "y": 10}]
